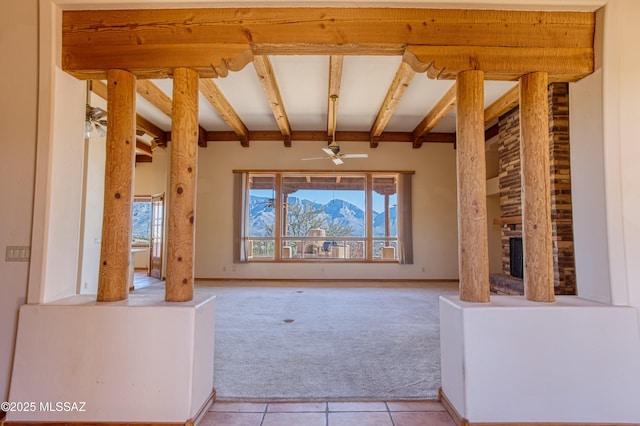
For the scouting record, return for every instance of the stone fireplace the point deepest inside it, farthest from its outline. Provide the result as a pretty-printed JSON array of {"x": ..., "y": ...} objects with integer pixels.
[{"x": 510, "y": 195}]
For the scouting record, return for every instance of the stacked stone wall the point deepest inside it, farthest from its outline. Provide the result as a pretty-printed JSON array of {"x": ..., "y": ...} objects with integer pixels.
[{"x": 560, "y": 184}]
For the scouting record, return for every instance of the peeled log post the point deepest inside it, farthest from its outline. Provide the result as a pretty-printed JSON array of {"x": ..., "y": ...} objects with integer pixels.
[
  {"x": 473, "y": 249},
  {"x": 115, "y": 253},
  {"x": 536, "y": 196},
  {"x": 182, "y": 202},
  {"x": 387, "y": 219}
]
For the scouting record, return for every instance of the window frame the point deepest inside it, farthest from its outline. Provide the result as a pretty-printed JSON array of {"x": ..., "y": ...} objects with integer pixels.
[
  {"x": 279, "y": 238},
  {"x": 142, "y": 199}
]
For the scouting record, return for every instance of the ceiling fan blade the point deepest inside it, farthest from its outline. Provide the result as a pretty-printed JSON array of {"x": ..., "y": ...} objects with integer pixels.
[
  {"x": 355, "y": 156},
  {"x": 337, "y": 161},
  {"x": 316, "y": 158},
  {"x": 328, "y": 151}
]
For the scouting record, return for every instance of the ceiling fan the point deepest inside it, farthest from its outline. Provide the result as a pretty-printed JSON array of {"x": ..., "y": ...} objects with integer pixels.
[
  {"x": 333, "y": 150},
  {"x": 94, "y": 117}
]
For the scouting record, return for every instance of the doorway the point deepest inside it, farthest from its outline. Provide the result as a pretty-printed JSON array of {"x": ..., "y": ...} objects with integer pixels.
[{"x": 157, "y": 237}]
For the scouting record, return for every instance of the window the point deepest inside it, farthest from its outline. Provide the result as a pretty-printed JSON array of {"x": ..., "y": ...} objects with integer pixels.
[
  {"x": 141, "y": 227},
  {"x": 320, "y": 216}
]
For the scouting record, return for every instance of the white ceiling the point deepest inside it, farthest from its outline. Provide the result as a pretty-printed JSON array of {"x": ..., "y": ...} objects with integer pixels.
[{"x": 303, "y": 83}]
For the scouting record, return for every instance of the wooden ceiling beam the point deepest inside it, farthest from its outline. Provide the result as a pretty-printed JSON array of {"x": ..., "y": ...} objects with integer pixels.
[
  {"x": 99, "y": 88},
  {"x": 156, "y": 97},
  {"x": 321, "y": 135},
  {"x": 502, "y": 105},
  {"x": 218, "y": 101},
  {"x": 143, "y": 149},
  {"x": 142, "y": 124},
  {"x": 267, "y": 78},
  {"x": 433, "y": 117},
  {"x": 151, "y": 43},
  {"x": 398, "y": 87},
  {"x": 151, "y": 129},
  {"x": 335, "y": 77},
  {"x": 501, "y": 63}
]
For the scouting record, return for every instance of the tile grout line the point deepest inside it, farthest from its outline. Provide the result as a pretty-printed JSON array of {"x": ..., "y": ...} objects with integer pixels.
[
  {"x": 386, "y": 403},
  {"x": 264, "y": 413}
]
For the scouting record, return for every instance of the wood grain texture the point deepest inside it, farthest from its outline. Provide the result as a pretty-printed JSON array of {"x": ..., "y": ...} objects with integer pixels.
[
  {"x": 536, "y": 193},
  {"x": 272, "y": 92},
  {"x": 473, "y": 252},
  {"x": 328, "y": 25},
  {"x": 398, "y": 87},
  {"x": 502, "y": 63},
  {"x": 502, "y": 105},
  {"x": 156, "y": 97},
  {"x": 218, "y": 101},
  {"x": 182, "y": 201},
  {"x": 437, "y": 113},
  {"x": 100, "y": 89},
  {"x": 321, "y": 135},
  {"x": 214, "y": 41},
  {"x": 115, "y": 253}
]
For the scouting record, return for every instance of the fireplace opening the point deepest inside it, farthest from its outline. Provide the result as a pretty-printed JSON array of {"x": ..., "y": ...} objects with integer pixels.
[{"x": 516, "y": 259}]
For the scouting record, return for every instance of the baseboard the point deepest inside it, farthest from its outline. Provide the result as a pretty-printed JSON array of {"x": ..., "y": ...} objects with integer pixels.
[
  {"x": 203, "y": 410},
  {"x": 460, "y": 421},
  {"x": 449, "y": 408},
  {"x": 321, "y": 282}
]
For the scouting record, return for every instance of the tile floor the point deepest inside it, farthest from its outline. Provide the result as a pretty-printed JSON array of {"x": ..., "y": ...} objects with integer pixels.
[{"x": 384, "y": 413}]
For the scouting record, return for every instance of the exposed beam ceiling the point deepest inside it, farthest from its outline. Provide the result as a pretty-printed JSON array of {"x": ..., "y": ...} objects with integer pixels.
[
  {"x": 270, "y": 85},
  {"x": 217, "y": 99},
  {"x": 505, "y": 44},
  {"x": 502, "y": 105},
  {"x": 398, "y": 86},
  {"x": 437, "y": 113},
  {"x": 142, "y": 124}
]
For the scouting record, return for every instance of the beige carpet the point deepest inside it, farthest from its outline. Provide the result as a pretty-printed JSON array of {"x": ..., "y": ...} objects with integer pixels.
[{"x": 309, "y": 343}]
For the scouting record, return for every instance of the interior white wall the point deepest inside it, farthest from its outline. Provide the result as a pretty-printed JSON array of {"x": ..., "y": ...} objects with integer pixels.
[
  {"x": 552, "y": 363},
  {"x": 621, "y": 91},
  {"x": 588, "y": 191},
  {"x": 434, "y": 208},
  {"x": 625, "y": 17},
  {"x": 18, "y": 108},
  {"x": 64, "y": 191},
  {"x": 95, "y": 157}
]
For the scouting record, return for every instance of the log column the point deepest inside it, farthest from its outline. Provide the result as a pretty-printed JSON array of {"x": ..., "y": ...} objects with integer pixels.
[
  {"x": 536, "y": 195},
  {"x": 115, "y": 253},
  {"x": 473, "y": 249},
  {"x": 182, "y": 202}
]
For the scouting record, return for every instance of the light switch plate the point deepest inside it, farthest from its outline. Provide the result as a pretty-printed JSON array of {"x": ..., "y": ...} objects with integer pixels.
[{"x": 18, "y": 254}]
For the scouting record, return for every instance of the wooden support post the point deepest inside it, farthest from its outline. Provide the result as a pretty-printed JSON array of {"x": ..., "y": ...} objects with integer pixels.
[
  {"x": 115, "y": 254},
  {"x": 387, "y": 219},
  {"x": 536, "y": 196},
  {"x": 473, "y": 251},
  {"x": 182, "y": 202}
]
